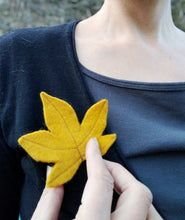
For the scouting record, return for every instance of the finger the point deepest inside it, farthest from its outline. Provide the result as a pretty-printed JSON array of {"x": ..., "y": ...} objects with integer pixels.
[
  {"x": 135, "y": 198},
  {"x": 97, "y": 196},
  {"x": 153, "y": 214},
  {"x": 48, "y": 171},
  {"x": 50, "y": 202}
]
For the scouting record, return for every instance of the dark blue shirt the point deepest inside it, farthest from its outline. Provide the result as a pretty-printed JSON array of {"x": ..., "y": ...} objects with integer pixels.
[{"x": 148, "y": 119}]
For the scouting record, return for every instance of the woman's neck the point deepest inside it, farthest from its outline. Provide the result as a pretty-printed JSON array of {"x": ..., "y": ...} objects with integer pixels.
[{"x": 148, "y": 20}]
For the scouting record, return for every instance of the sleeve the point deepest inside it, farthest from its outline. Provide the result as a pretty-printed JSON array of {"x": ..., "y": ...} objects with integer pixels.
[
  {"x": 11, "y": 174},
  {"x": 11, "y": 177}
]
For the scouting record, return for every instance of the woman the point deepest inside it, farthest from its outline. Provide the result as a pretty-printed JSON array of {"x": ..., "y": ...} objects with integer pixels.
[{"x": 130, "y": 53}]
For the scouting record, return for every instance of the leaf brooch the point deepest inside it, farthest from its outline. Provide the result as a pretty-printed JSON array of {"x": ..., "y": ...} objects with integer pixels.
[{"x": 65, "y": 140}]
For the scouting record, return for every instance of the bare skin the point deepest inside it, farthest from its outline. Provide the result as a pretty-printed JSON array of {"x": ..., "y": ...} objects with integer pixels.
[{"x": 132, "y": 40}]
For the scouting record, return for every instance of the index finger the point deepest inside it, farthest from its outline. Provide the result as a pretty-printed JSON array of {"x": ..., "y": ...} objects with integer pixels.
[
  {"x": 135, "y": 198},
  {"x": 97, "y": 196}
]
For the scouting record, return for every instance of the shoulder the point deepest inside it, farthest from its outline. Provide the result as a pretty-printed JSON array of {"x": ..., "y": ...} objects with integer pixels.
[
  {"x": 23, "y": 45},
  {"x": 36, "y": 36},
  {"x": 31, "y": 53}
]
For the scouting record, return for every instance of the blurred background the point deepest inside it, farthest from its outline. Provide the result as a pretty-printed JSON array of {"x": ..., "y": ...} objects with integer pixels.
[{"x": 32, "y": 13}]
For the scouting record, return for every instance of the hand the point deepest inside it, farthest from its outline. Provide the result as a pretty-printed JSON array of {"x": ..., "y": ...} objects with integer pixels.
[{"x": 135, "y": 201}]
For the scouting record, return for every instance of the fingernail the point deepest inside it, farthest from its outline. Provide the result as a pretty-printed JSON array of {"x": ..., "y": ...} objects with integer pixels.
[
  {"x": 96, "y": 142},
  {"x": 93, "y": 141},
  {"x": 92, "y": 147}
]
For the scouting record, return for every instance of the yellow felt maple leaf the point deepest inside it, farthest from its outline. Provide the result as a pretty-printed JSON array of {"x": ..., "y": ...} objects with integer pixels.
[{"x": 65, "y": 141}]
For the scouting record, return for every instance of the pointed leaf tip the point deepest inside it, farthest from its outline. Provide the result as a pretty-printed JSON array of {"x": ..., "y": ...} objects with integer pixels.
[
  {"x": 103, "y": 101},
  {"x": 19, "y": 140},
  {"x": 44, "y": 95}
]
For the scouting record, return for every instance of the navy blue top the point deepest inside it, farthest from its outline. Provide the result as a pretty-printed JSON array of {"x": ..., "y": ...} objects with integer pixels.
[{"x": 148, "y": 118}]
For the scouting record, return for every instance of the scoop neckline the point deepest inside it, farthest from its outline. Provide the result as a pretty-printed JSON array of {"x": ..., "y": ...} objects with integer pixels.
[{"x": 122, "y": 82}]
